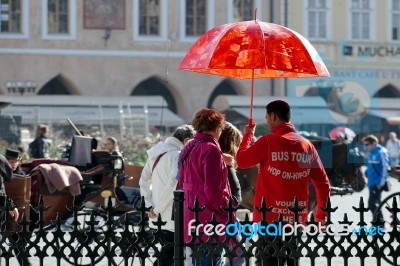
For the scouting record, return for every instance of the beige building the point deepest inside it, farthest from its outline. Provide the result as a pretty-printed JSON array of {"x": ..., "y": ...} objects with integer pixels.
[
  {"x": 125, "y": 48},
  {"x": 116, "y": 48},
  {"x": 359, "y": 41}
]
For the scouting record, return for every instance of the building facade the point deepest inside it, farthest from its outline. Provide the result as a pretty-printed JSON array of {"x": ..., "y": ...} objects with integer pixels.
[
  {"x": 134, "y": 47},
  {"x": 117, "y": 48}
]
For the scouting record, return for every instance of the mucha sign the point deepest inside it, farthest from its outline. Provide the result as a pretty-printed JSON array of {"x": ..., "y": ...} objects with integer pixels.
[{"x": 372, "y": 51}]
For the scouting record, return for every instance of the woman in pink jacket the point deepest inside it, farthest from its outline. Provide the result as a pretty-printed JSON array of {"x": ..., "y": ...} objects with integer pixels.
[{"x": 203, "y": 174}]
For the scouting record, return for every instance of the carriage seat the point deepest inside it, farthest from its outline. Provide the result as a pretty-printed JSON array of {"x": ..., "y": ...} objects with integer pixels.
[{"x": 58, "y": 177}]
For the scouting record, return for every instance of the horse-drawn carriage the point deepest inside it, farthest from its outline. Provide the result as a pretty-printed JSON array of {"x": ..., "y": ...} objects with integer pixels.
[{"x": 89, "y": 180}]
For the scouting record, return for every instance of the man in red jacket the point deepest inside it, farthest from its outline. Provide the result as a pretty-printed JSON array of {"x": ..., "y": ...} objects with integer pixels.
[{"x": 287, "y": 163}]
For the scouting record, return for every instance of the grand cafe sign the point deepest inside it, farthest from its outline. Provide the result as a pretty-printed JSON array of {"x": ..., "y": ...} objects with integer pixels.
[{"x": 372, "y": 50}]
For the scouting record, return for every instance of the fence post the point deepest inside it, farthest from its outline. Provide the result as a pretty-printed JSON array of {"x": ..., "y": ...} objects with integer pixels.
[{"x": 179, "y": 255}]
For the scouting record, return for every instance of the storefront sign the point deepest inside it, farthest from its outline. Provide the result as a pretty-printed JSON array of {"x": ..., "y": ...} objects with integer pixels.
[{"x": 371, "y": 51}]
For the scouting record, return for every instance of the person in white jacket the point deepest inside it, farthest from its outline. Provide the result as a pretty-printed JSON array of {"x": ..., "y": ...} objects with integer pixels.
[
  {"x": 158, "y": 181},
  {"x": 393, "y": 147}
]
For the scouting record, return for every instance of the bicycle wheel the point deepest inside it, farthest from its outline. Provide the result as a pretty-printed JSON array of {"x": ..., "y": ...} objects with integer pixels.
[{"x": 384, "y": 209}]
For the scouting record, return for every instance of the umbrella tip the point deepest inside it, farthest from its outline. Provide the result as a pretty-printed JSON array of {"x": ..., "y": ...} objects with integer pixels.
[{"x": 255, "y": 13}]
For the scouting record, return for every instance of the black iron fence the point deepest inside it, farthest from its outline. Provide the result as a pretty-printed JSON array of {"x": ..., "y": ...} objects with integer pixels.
[{"x": 91, "y": 236}]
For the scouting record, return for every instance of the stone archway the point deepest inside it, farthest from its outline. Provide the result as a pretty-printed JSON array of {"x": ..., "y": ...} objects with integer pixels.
[
  {"x": 154, "y": 86},
  {"x": 59, "y": 85},
  {"x": 224, "y": 88}
]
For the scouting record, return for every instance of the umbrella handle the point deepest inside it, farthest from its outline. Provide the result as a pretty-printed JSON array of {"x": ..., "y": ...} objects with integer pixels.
[{"x": 251, "y": 123}]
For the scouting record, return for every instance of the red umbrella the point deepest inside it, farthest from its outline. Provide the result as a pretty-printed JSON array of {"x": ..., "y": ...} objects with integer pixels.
[
  {"x": 254, "y": 49},
  {"x": 342, "y": 132}
]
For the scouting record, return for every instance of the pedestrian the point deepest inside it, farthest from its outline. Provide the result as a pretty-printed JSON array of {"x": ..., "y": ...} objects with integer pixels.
[
  {"x": 6, "y": 173},
  {"x": 14, "y": 159},
  {"x": 111, "y": 144},
  {"x": 287, "y": 163},
  {"x": 393, "y": 148},
  {"x": 40, "y": 147},
  {"x": 158, "y": 181},
  {"x": 376, "y": 172},
  {"x": 229, "y": 142},
  {"x": 203, "y": 174}
]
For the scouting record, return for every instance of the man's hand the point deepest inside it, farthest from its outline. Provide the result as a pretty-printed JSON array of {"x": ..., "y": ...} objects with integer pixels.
[
  {"x": 152, "y": 214},
  {"x": 249, "y": 129}
]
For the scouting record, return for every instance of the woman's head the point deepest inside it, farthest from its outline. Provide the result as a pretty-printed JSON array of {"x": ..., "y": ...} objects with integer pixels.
[
  {"x": 230, "y": 139},
  {"x": 208, "y": 120}
]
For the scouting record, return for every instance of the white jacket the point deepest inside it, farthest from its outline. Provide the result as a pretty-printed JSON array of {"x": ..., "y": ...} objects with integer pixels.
[
  {"x": 157, "y": 187},
  {"x": 393, "y": 148}
]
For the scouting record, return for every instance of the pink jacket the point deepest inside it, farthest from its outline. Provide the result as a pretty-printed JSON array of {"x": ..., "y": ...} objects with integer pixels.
[{"x": 203, "y": 174}]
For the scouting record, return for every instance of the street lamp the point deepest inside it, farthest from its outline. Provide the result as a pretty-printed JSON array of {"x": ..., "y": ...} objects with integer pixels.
[{"x": 21, "y": 87}]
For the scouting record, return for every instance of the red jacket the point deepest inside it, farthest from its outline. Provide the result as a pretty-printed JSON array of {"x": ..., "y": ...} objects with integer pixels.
[
  {"x": 203, "y": 174},
  {"x": 287, "y": 162}
]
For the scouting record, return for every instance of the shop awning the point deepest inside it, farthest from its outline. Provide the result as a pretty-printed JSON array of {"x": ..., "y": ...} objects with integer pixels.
[
  {"x": 305, "y": 110},
  {"x": 392, "y": 116},
  {"x": 299, "y": 115},
  {"x": 84, "y": 110}
]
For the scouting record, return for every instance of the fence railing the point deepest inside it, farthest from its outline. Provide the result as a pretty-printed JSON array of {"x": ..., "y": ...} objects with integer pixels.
[{"x": 103, "y": 235}]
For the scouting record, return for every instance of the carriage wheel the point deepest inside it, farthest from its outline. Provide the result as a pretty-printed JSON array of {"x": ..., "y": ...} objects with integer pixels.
[
  {"x": 83, "y": 228},
  {"x": 387, "y": 217},
  {"x": 86, "y": 261}
]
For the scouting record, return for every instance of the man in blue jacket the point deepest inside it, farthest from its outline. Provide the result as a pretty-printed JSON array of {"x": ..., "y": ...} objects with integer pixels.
[{"x": 376, "y": 173}]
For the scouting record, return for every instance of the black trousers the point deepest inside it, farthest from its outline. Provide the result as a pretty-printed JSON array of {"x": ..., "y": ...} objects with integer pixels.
[{"x": 374, "y": 200}]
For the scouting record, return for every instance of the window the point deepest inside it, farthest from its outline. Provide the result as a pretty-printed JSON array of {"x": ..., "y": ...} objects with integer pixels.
[
  {"x": 243, "y": 10},
  {"x": 317, "y": 19},
  {"x": 59, "y": 19},
  {"x": 395, "y": 27},
  {"x": 196, "y": 17},
  {"x": 149, "y": 21},
  {"x": 57, "y": 16},
  {"x": 11, "y": 16},
  {"x": 361, "y": 14}
]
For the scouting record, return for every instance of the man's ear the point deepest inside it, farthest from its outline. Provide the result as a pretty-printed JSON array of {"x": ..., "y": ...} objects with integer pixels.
[
  {"x": 185, "y": 140},
  {"x": 273, "y": 117}
]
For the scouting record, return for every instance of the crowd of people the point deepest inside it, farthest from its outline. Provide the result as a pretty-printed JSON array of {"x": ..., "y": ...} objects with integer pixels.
[{"x": 202, "y": 159}]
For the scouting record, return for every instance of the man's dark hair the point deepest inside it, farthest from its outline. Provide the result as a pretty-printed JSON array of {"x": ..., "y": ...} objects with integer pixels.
[
  {"x": 183, "y": 132},
  {"x": 280, "y": 108}
]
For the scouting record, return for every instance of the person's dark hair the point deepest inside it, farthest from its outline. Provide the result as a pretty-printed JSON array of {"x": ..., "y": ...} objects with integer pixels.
[
  {"x": 281, "y": 109},
  {"x": 208, "y": 120},
  {"x": 183, "y": 132},
  {"x": 370, "y": 139}
]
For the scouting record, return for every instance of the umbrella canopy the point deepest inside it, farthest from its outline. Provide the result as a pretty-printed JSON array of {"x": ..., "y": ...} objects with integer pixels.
[
  {"x": 254, "y": 49},
  {"x": 342, "y": 133},
  {"x": 236, "y": 49}
]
